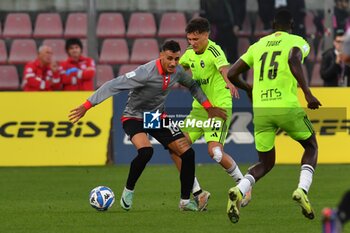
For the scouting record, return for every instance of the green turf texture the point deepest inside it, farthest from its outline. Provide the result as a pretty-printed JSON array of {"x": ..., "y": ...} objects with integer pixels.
[{"x": 55, "y": 200}]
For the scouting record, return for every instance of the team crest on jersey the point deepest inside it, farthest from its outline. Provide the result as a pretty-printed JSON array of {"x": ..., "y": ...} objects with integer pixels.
[
  {"x": 202, "y": 64},
  {"x": 192, "y": 65}
]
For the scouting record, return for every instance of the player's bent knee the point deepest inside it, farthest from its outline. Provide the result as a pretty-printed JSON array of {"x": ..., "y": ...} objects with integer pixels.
[
  {"x": 217, "y": 153},
  {"x": 145, "y": 153},
  {"x": 188, "y": 155}
]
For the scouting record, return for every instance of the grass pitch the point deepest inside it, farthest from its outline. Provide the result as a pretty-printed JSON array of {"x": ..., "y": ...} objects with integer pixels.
[{"x": 55, "y": 200}]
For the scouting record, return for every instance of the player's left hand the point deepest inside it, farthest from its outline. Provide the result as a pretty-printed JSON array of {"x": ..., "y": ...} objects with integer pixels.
[
  {"x": 233, "y": 90},
  {"x": 312, "y": 102},
  {"x": 216, "y": 112},
  {"x": 77, "y": 113}
]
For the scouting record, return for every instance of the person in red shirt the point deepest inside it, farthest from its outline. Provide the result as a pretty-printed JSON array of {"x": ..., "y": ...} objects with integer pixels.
[
  {"x": 78, "y": 71},
  {"x": 42, "y": 74}
]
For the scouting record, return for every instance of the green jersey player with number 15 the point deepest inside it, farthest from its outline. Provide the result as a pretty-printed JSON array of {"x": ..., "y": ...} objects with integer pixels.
[{"x": 277, "y": 62}]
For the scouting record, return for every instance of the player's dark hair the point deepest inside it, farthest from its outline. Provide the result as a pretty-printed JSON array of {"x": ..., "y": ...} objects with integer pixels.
[
  {"x": 198, "y": 24},
  {"x": 73, "y": 41},
  {"x": 171, "y": 45},
  {"x": 283, "y": 20}
]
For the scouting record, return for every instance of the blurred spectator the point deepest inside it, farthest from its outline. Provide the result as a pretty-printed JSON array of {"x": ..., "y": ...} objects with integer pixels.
[
  {"x": 226, "y": 18},
  {"x": 341, "y": 14},
  {"x": 335, "y": 219},
  {"x": 298, "y": 10},
  {"x": 334, "y": 72},
  {"x": 268, "y": 8},
  {"x": 78, "y": 71},
  {"x": 41, "y": 74},
  {"x": 266, "y": 12}
]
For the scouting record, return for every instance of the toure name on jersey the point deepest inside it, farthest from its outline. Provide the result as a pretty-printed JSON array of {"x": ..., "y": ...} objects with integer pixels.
[{"x": 273, "y": 43}]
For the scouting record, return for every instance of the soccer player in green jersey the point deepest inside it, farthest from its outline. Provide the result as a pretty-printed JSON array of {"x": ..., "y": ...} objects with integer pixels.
[
  {"x": 209, "y": 68},
  {"x": 277, "y": 62}
]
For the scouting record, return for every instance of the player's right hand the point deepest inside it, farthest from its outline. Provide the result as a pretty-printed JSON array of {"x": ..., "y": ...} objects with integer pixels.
[
  {"x": 312, "y": 102},
  {"x": 216, "y": 112},
  {"x": 77, "y": 113}
]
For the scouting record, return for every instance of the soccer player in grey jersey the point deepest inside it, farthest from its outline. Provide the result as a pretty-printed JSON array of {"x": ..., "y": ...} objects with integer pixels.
[{"x": 148, "y": 86}]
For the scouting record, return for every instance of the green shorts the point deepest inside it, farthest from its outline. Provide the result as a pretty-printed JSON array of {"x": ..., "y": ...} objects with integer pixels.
[
  {"x": 295, "y": 124},
  {"x": 197, "y": 124}
]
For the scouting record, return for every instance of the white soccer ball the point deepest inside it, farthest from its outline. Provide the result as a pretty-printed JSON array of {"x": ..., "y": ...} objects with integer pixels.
[{"x": 101, "y": 198}]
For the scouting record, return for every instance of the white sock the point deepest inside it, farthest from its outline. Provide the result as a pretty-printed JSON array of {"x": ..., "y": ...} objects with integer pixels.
[
  {"x": 184, "y": 201},
  {"x": 235, "y": 173},
  {"x": 128, "y": 190},
  {"x": 196, "y": 187},
  {"x": 246, "y": 183},
  {"x": 305, "y": 179}
]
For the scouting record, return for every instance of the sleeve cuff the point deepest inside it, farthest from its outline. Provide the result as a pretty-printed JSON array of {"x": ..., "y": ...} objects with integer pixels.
[
  {"x": 206, "y": 104},
  {"x": 87, "y": 105}
]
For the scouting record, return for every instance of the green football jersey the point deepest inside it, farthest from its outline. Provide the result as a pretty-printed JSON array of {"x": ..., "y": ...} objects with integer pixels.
[
  {"x": 274, "y": 86},
  {"x": 205, "y": 70}
]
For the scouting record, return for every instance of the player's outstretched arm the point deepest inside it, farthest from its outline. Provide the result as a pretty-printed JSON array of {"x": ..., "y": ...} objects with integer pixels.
[
  {"x": 216, "y": 112},
  {"x": 77, "y": 113},
  {"x": 294, "y": 61},
  {"x": 229, "y": 85}
]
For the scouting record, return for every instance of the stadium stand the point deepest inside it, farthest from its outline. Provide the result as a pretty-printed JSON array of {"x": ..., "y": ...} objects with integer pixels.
[
  {"x": 9, "y": 80},
  {"x": 316, "y": 50},
  {"x": 127, "y": 68},
  {"x": 104, "y": 73},
  {"x": 48, "y": 25},
  {"x": 17, "y": 25},
  {"x": 246, "y": 30},
  {"x": 183, "y": 43},
  {"x": 22, "y": 51},
  {"x": 3, "y": 52},
  {"x": 172, "y": 25},
  {"x": 144, "y": 50},
  {"x": 110, "y": 25},
  {"x": 141, "y": 25},
  {"x": 126, "y": 38},
  {"x": 114, "y": 51},
  {"x": 259, "y": 28},
  {"x": 243, "y": 44},
  {"x": 76, "y": 25},
  {"x": 85, "y": 47},
  {"x": 310, "y": 25},
  {"x": 316, "y": 80},
  {"x": 58, "y": 48}
]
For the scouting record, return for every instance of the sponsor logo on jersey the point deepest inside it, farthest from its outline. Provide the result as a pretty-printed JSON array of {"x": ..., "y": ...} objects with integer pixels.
[
  {"x": 203, "y": 81},
  {"x": 270, "y": 94}
]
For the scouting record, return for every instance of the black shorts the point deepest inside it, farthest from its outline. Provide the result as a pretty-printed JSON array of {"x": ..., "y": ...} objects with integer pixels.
[{"x": 164, "y": 135}]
